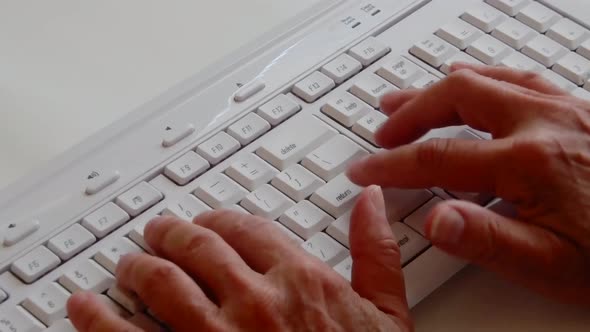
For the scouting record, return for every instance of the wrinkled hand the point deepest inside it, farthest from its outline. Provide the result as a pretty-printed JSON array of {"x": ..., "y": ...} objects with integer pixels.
[
  {"x": 539, "y": 160},
  {"x": 232, "y": 271}
]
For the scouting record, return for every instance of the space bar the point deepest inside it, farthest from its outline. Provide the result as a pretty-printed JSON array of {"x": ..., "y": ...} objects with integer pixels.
[
  {"x": 573, "y": 9},
  {"x": 291, "y": 141}
]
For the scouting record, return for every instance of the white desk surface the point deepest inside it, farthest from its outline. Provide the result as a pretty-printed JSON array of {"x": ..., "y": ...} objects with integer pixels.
[{"x": 90, "y": 62}]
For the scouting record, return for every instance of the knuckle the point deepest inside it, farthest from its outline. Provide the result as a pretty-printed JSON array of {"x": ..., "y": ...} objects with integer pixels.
[
  {"x": 162, "y": 273},
  {"x": 460, "y": 77},
  {"x": 434, "y": 151},
  {"x": 538, "y": 150},
  {"x": 198, "y": 241},
  {"x": 531, "y": 76}
]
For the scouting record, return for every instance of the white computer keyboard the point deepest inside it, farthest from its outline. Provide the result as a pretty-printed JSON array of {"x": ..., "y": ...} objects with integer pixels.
[{"x": 285, "y": 160}]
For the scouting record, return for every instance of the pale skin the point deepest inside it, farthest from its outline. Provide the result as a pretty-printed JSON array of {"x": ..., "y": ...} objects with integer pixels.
[{"x": 539, "y": 160}]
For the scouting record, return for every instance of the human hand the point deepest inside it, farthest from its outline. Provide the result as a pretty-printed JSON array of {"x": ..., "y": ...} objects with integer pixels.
[
  {"x": 233, "y": 271},
  {"x": 539, "y": 160}
]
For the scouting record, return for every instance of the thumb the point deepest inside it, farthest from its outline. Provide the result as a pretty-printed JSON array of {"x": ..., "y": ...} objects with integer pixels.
[
  {"x": 376, "y": 270},
  {"x": 523, "y": 252}
]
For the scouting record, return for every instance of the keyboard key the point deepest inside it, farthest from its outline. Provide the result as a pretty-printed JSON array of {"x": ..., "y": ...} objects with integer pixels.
[
  {"x": 369, "y": 51},
  {"x": 342, "y": 68},
  {"x": 509, "y": 7},
  {"x": 459, "y": 57},
  {"x": 489, "y": 50},
  {"x": 297, "y": 182},
  {"x": 433, "y": 50},
  {"x": 558, "y": 80},
  {"x": 574, "y": 67},
  {"x": 289, "y": 233},
  {"x": 344, "y": 268},
  {"x": 331, "y": 158},
  {"x": 305, "y": 219},
  {"x": 401, "y": 72},
  {"x": 417, "y": 220},
  {"x": 313, "y": 87},
  {"x": 514, "y": 33},
  {"x": 400, "y": 203},
  {"x": 325, "y": 248},
  {"x": 19, "y": 231},
  {"x": 250, "y": 89},
  {"x": 410, "y": 243},
  {"x": 113, "y": 306},
  {"x": 346, "y": 109},
  {"x": 568, "y": 33},
  {"x": 459, "y": 33},
  {"x": 218, "y": 148},
  {"x": 538, "y": 16},
  {"x": 250, "y": 171},
  {"x": 580, "y": 93},
  {"x": 48, "y": 304},
  {"x": 371, "y": 89},
  {"x": 126, "y": 299},
  {"x": 267, "y": 202},
  {"x": 104, "y": 220},
  {"x": 99, "y": 182},
  {"x": 219, "y": 191},
  {"x": 175, "y": 135},
  {"x": 62, "y": 325},
  {"x": 35, "y": 264},
  {"x": 285, "y": 145},
  {"x": 71, "y": 241},
  {"x": 278, "y": 109},
  {"x": 477, "y": 198},
  {"x": 424, "y": 82},
  {"x": 584, "y": 49},
  {"x": 87, "y": 276},
  {"x": 186, "y": 168},
  {"x": 139, "y": 198},
  {"x": 136, "y": 235},
  {"x": 368, "y": 125},
  {"x": 340, "y": 229},
  {"x": 519, "y": 61},
  {"x": 484, "y": 17},
  {"x": 3, "y": 295},
  {"x": 337, "y": 196},
  {"x": 108, "y": 257},
  {"x": 253, "y": 126},
  {"x": 17, "y": 319},
  {"x": 544, "y": 50}
]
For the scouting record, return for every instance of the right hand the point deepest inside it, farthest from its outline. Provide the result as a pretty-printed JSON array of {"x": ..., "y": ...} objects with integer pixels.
[{"x": 539, "y": 160}]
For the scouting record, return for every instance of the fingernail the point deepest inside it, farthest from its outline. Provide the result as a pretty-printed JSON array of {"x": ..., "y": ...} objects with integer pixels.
[{"x": 447, "y": 227}]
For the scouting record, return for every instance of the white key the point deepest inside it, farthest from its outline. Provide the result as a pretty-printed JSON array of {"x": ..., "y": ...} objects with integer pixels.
[
  {"x": 485, "y": 17},
  {"x": 477, "y": 198},
  {"x": 136, "y": 234},
  {"x": 509, "y": 7},
  {"x": 62, "y": 325},
  {"x": 113, "y": 306},
  {"x": 538, "y": 16},
  {"x": 584, "y": 49},
  {"x": 139, "y": 198},
  {"x": 99, "y": 181},
  {"x": 337, "y": 196},
  {"x": 489, "y": 50},
  {"x": 459, "y": 33},
  {"x": 344, "y": 268},
  {"x": 580, "y": 93},
  {"x": 175, "y": 135},
  {"x": 87, "y": 276},
  {"x": 568, "y": 33},
  {"x": 278, "y": 109},
  {"x": 109, "y": 255},
  {"x": 253, "y": 126},
  {"x": 286, "y": 145},
  {"x": 219, "y": 191},
  {"x": 16, "y": 319},
  {"x": 126, "y": 299},
  {"x": 342, "y": 68},
  {"x": 325, "y": 248},
  {"x": 544, "y": 50},
  {"x": 19, "y": 231},
  {"x": 433, "y": 50},
  {"x": 305, "y": 219},
  {"x": 514, "y": 33},
  {"x": 410, "y": 243},
  {"x": 519, "y": 61},
  {"x": 250, "y": 171},
  {"x": 48, "y": 304},
  {"x": 459, "y": 57},
  {"x": 417, "y": 220},
  {"x": 369, "y": 51},
  {"x": 186, "y": 168},
  {"x": 313, "y": 87},
  {"x": 371, "y": 88},
  {"x": 346, "y": 109},
  {"x": 239, "y": 209},
  {"x": 424, "y": 82},
  {"x": 340, "y": 229},
  {"x": 267, "y": 202},
  {"x": 289, "y": 233},
  {"x": 399, "y": 203},
  {"x": 559, "y": 80},
  {"x": 401, "y": 72},
  {"x": 218, "y": 147},
  {"x": 35, "y": 264},
  {"x": 3, "y": 295},
  {"x": 248, "y": 90},
  {"x": 186, "y": 209},
  {"x": 104, "y": 220},
  {"x": 71, "y": 241},
  {"x": 368, "y": 125},
  {"x": 297, "y": 182},
  {"x": 574, "y": 67},
  {"x": 331, "y": 158}
]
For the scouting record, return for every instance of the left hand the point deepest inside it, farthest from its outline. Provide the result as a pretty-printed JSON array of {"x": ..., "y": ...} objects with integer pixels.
[{"x": 230, "y": 271}]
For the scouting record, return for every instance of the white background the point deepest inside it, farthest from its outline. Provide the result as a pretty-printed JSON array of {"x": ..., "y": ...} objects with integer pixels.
[{"x": 69, "y": 67}]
